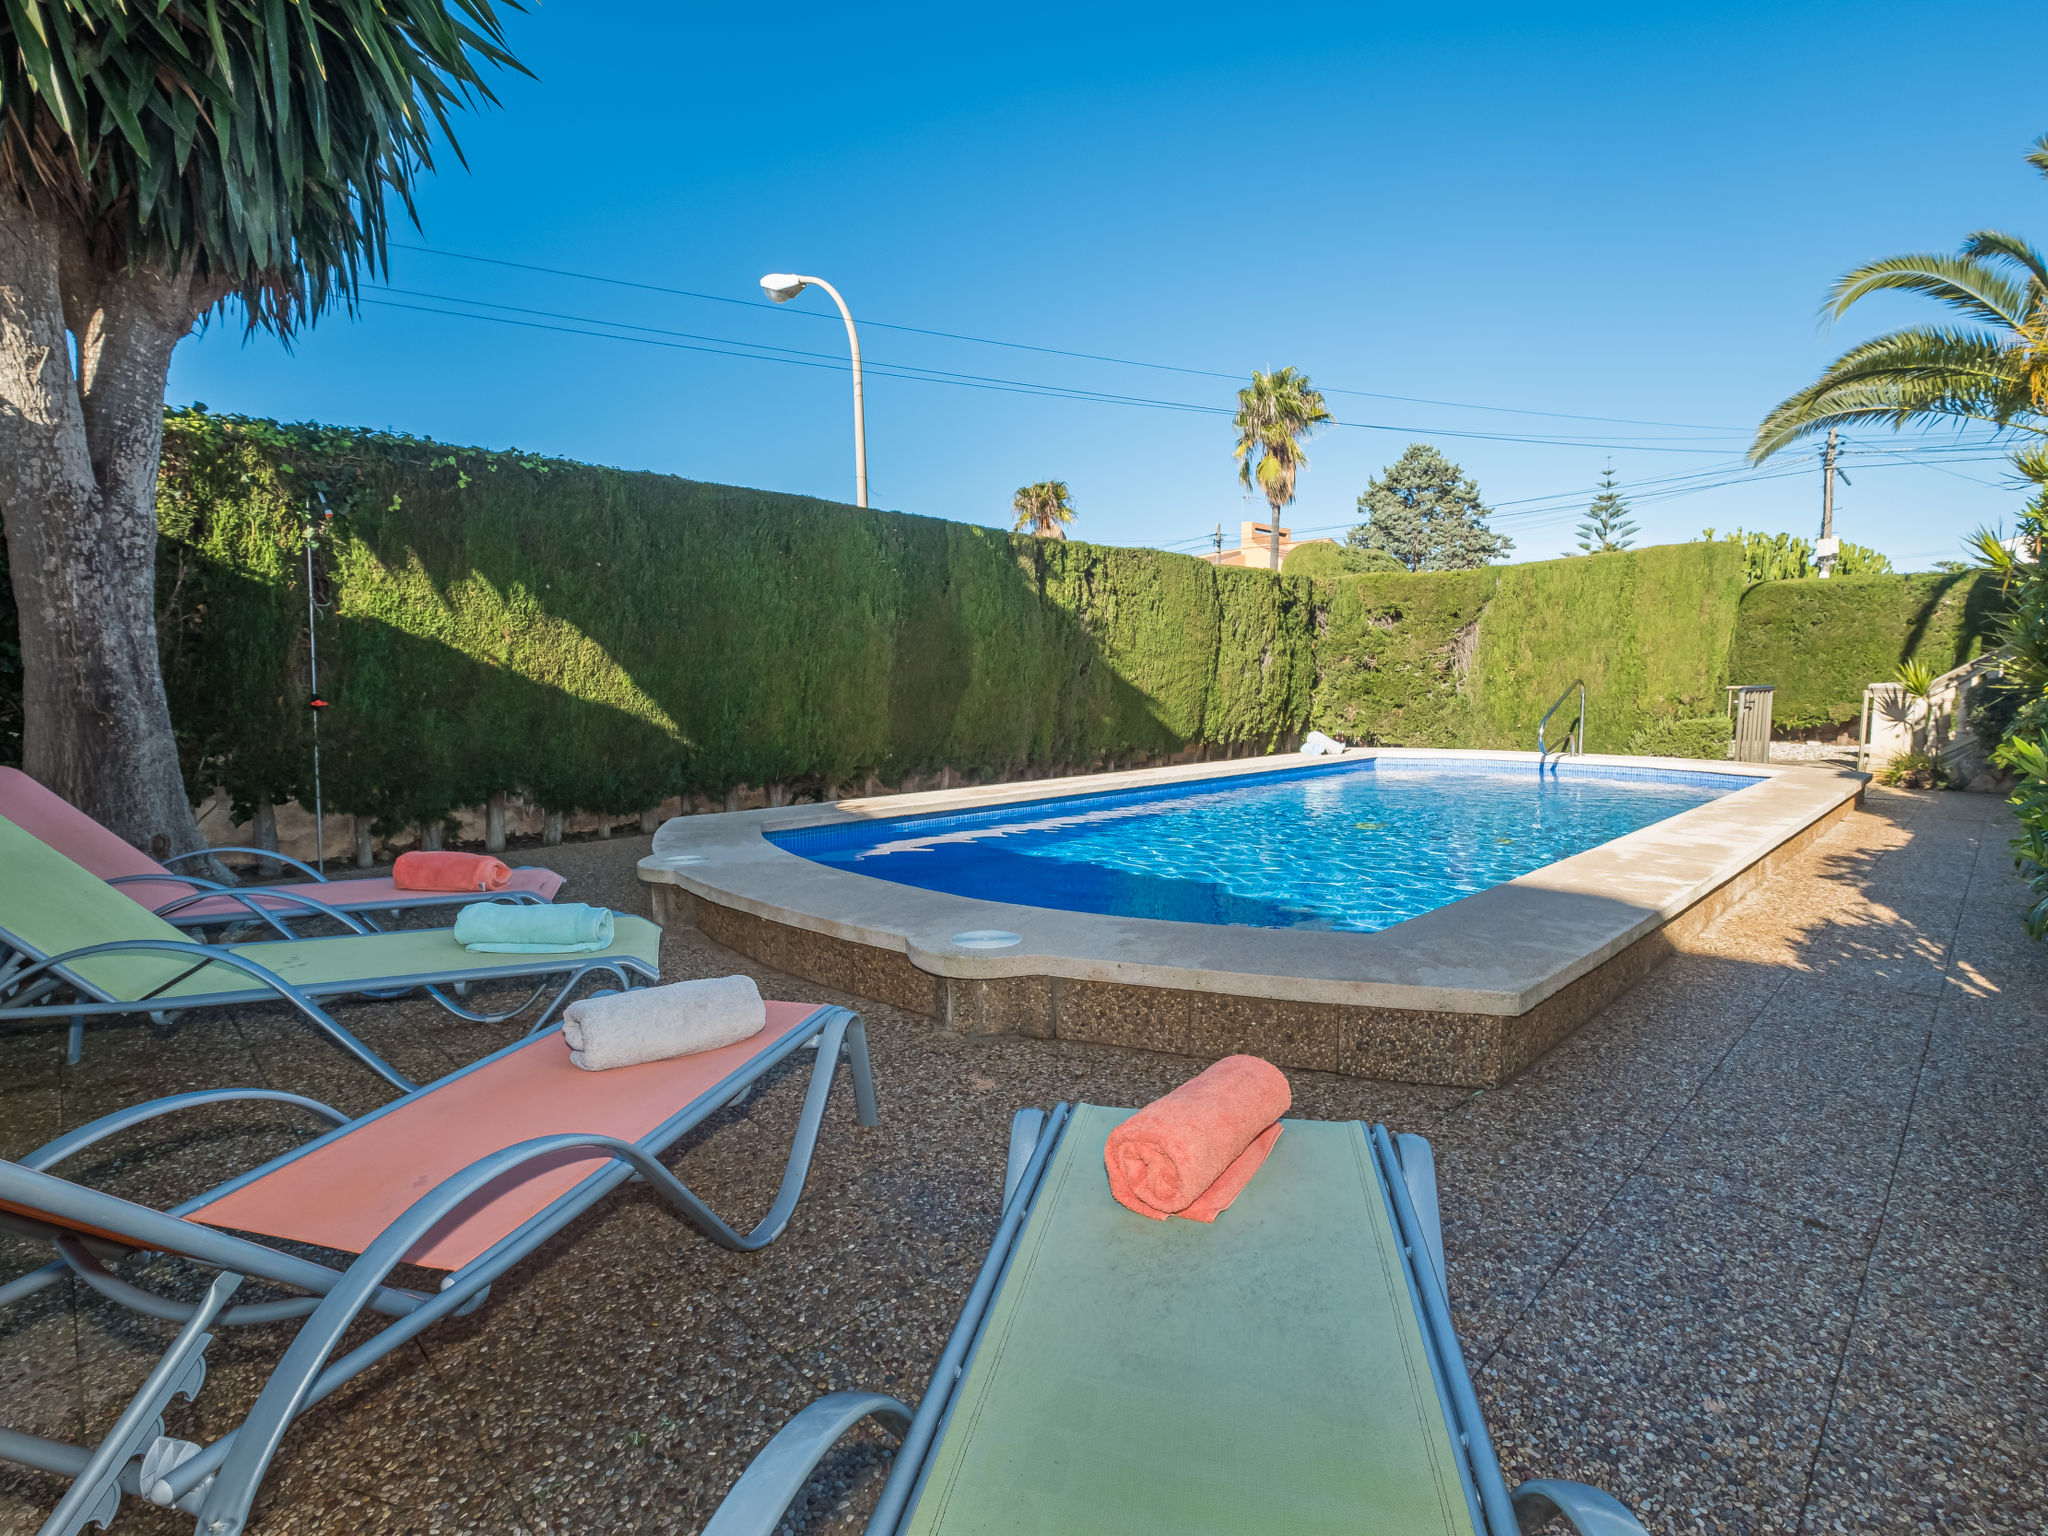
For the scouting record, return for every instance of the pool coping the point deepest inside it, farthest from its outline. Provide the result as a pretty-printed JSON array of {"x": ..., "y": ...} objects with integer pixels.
[{"x": 1543, "y": 932}]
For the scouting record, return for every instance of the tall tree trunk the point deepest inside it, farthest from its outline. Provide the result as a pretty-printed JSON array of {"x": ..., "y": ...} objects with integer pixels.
[{"x": 78, "y": 464}]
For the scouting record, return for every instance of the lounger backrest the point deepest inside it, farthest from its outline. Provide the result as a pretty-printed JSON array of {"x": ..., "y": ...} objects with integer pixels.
[
  {"x": 56, "y": 821},
  {"x": 51, "y": 906}
]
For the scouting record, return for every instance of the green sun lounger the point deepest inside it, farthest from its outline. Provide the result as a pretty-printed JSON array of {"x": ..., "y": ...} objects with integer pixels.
[
  {"x": 1290, "y": 1370},
  {"x": 82, "y": 949}
]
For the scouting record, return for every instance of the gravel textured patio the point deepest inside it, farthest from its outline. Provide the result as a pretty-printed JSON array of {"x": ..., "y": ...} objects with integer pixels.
[{"x": 1761, "y": 1249}]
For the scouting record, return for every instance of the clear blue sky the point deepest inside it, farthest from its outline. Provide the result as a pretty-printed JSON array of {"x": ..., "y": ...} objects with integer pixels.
[{"x": 1624, "y": 212}]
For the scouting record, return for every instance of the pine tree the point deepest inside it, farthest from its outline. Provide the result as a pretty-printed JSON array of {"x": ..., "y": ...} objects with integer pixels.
[
  {"x": 1607, "y": 525},
  {"x": 1425, "y": 511}
]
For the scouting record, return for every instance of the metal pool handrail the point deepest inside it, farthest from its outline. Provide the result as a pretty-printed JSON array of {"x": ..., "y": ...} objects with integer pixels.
[{"x": 1576, "y": 742}]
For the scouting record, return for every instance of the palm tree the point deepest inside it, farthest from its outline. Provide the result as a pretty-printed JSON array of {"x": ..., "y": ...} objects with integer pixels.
[
  {"x": 162, "y": 161},
  {"x": 1994, "y": 371},
  {"x": 1044, "y": 508},
  {"x": 1273, "y": 416}
]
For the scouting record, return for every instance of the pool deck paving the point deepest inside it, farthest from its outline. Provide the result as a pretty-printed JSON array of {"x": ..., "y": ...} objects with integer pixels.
[{"x": 1759, "y": 1249}]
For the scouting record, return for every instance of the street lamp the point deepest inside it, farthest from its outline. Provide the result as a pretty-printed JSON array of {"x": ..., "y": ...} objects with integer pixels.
[{"x": 784, "y": 286}]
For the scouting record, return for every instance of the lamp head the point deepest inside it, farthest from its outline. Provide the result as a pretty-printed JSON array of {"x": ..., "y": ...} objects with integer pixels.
[{"x": 782, "y": 286}]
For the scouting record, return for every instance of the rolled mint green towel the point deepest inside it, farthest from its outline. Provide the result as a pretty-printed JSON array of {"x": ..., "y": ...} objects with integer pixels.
[{"x": 526, "y": 928}]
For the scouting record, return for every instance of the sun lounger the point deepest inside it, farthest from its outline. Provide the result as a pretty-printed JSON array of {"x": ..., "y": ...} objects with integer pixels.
[
  {"x": 191, "y": 902},
  {"x": 470, "y": 1176},
  {"x": 1291, "y": 1370},
  {"x": 81, "y": 949}
]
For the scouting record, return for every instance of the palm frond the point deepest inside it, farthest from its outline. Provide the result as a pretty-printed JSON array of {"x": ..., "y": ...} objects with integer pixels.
[
  {"x": 1274, "y": 414},
  {"x": 259, "y": 142},
  {"x": 1960, "y": 282},
  {"x": 1997, "y": 245},
  {"x": 2037, "y": 157},
  {"x": 1990, "y": 553},
  {"x": 1922, "y": 374}
]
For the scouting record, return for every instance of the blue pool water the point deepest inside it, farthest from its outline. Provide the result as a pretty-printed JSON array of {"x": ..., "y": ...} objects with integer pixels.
[{"x": 1353, "y": 846}]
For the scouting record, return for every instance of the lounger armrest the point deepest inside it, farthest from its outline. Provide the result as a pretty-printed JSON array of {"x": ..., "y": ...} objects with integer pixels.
[
  {"x": 1418, "y": 1172},
  {"x": 262, "y": 853},
  {"x": 774, "y": 1478},
  {"x": 1587, "y": 1510},
  {"x": 167, "y": 878},
  {"x": 1026, "y": 1126},
  {"x": 50, "y": 1153},
  {"x": 260, "y": 900}
]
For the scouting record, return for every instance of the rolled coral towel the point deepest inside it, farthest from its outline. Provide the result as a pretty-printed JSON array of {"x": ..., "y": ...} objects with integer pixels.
[
  {"x": 449, "y": 872},
  {"x": 1192, "y": 1152},
  {"x": 509, "y": 928},
  {"x": 655, "y": 1023}
]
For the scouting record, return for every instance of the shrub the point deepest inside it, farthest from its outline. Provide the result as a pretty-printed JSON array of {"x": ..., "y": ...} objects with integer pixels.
[
  {"x": 1705, "y": 736},
  {"x": 1787, "y": 557},
  {"x": 1912, "y": 770},
  {"x": 1327, "y": 558},
  {"x": 2027, "y": 757}
]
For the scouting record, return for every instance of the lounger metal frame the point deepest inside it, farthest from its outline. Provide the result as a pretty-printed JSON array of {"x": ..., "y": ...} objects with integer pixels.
[
  {"x": 1406, "y": 1170},
  {"x": 218, "y": 1482},
  {"x": 39, "y": 987}
]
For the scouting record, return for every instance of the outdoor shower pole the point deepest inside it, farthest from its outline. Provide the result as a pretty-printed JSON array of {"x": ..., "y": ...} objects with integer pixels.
[
  {"x": 784, "y": 286},
  {"x": 313, "y": 683}
]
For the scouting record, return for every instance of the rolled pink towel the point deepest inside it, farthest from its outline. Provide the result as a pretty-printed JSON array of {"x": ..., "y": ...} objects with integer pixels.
[
  {"x": 1191, "y": 1152},
  {"x": 449, "y": 871}
]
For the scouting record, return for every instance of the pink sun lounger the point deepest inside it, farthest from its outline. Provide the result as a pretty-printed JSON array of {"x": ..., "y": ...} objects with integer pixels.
[
  {"x": 187, "y": 900},
  {"x": 471, "y": 1175}
]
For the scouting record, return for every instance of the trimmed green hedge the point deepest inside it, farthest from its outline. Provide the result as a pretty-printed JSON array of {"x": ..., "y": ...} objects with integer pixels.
[
  {"x": 1821, "y": 642},
  {"x": 1473, "y": 658},
  {"x": 599, "y": 640}
]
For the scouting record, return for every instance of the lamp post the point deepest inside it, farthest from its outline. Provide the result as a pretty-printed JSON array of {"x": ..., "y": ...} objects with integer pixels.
[{"x": 784, "y": 286}]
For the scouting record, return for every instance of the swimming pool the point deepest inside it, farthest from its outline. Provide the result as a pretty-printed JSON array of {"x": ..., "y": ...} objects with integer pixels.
[{"x": 1353, "y": 846}]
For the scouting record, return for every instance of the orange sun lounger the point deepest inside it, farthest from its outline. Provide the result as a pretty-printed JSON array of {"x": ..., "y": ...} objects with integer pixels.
[{"x": 468, "y": 1175}]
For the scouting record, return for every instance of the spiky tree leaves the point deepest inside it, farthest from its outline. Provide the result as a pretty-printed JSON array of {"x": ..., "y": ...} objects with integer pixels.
[
  {"x": 1044, "y": 507},
  {"x": 161, "y": 158},
  {"x": 1993, "y": 371}
]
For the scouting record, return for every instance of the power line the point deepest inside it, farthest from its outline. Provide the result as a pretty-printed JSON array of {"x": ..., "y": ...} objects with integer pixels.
[
  {"x": 1564, "y": 505},
  {"x": 1023, "y": 346},
  {"x": 726, "y": 347}
]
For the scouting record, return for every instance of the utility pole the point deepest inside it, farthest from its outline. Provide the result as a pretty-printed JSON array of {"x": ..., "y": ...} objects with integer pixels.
[
  {"x": 1825, "y": 550},
  {"x": 1219, "y": 540}
]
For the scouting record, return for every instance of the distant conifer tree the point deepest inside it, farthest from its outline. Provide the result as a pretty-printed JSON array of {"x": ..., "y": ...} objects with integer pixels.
[{"x": 1607, "y": 525}]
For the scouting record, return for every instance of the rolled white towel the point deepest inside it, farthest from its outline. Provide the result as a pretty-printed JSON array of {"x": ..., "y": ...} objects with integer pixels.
[
  {"x": 1316, "y": 744},
  {"x": 655, "y": 1023}
]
